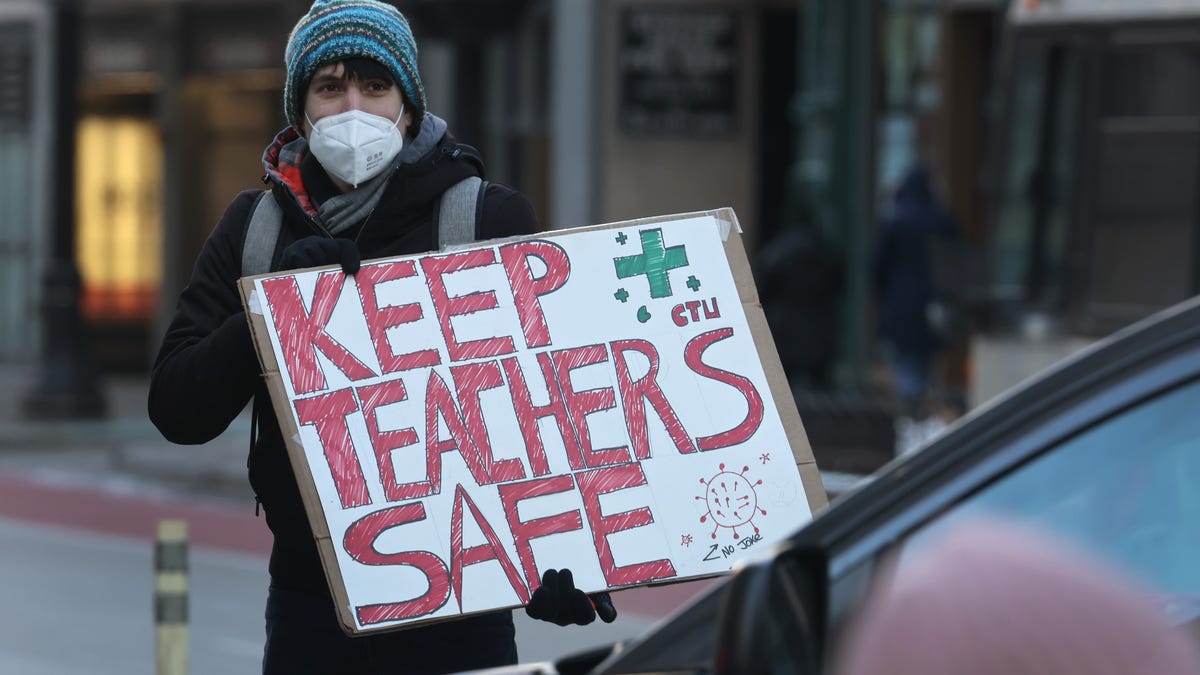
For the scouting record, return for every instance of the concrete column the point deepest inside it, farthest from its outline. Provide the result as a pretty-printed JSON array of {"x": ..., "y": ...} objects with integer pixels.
[
  {"x": 573, "y": 85},
  {"x": 23, "y": 337},
  {"x": 437, "y": 64}
]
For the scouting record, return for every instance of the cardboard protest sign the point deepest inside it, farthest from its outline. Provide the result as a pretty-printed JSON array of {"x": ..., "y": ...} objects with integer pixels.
[{"x": 605, "y": 399}]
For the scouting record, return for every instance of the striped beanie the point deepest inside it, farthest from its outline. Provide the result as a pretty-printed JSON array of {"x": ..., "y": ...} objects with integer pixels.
[{"x": 337, "y": 30}]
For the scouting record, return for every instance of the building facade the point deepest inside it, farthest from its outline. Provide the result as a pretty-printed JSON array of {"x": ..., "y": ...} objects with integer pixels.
[{"x": 598, "y": 110}]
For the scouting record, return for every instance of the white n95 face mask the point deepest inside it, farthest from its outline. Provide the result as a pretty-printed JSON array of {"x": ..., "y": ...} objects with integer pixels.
[{"x": 355, "y": 146}]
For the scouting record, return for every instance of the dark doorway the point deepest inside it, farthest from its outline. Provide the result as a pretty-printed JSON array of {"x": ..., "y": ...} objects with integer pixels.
[{"x": 777, "y": 141}]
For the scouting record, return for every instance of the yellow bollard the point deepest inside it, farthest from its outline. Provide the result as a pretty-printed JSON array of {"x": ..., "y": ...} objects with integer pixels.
[{"x": 171, "y": 597}]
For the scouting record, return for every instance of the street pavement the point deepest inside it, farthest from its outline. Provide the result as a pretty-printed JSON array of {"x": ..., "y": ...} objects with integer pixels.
[
  {"x": 79, "y": 503},
  {"x": 110, "y": 481}
]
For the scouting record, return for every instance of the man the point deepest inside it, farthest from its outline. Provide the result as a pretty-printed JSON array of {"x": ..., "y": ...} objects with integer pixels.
[
  {"x": 358, "y": 172},
  {"x": 904, "y": 283}
]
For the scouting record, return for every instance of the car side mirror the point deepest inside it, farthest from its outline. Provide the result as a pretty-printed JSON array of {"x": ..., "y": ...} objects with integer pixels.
[{"x": 768, "y": 623}]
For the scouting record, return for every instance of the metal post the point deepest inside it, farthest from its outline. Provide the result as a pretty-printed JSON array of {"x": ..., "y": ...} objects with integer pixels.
[
  {"x": 66, "y": 386},
  {"x": 832, "y": 111},
  {"x": 573, "y": 117},
  {"x": 171, "y": 598}
]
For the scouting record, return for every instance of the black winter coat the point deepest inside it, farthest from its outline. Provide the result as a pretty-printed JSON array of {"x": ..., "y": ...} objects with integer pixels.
[
  {"x": 207, "y": 370},
  {"x": 902, "y": 265}
]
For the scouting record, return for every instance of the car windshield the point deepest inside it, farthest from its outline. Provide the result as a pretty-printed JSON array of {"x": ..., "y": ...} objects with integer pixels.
[{"x": 1126, "y": 489}]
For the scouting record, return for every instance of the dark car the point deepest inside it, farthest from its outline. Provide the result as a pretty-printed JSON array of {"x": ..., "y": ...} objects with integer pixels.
[{"x": 1102, "y": 449}]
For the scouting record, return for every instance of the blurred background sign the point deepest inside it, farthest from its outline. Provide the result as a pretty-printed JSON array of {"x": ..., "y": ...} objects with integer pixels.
[
  {"x": 677, "y": 70},
  {"x": 1098, "y": 10}
]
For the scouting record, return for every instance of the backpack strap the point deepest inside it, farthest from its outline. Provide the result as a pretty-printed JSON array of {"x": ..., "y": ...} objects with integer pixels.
[
  {"x": 262, "y": 233},
  {"x": 459, "y": 211}
]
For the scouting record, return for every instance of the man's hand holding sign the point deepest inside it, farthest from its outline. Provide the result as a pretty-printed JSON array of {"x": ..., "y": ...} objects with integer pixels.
[{"x": 530, "y": 421}]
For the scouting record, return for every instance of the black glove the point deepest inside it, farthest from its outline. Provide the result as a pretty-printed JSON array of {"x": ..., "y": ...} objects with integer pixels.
[
  {"x": 558, "y": 601},
  {"x": 316, "y": 251}
]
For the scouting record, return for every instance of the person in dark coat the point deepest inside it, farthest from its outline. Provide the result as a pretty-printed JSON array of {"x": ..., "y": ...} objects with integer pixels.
[
  {"x": 799, "y": 277},
  {"x": 357, "y": 174},
  {"x": 903, "y": 281}
]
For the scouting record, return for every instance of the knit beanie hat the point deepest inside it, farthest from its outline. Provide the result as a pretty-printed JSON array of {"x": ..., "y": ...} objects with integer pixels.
[{"x": 337, "y": 30}]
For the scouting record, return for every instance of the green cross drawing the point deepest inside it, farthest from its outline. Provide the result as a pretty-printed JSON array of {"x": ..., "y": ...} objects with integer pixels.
[
  {"x": 621, "y": 238},
  {"x": 621, "y": 294},
  {"x": 655, "y": 261},
  {"x": 693, "y": 283}
]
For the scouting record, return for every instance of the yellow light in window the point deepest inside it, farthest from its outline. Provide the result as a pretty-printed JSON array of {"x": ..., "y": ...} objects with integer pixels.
[{"x": 119, "y": 216}]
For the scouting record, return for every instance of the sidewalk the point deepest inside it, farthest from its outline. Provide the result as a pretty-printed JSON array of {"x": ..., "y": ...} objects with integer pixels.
[{"x": 122, "y": 451}]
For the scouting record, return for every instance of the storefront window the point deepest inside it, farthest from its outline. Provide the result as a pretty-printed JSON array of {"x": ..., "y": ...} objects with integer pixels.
[
  {"x": 910, "y": 91},
  {"x": 119, "y": 240},
  {"x": 1149, "y": 139},
  {"x": 1032, "y": 233}
]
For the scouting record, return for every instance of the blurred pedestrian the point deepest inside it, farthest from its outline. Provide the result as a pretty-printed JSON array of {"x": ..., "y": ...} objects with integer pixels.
[
  {"x": 360, "y": 171},
  {"x": 799, "y": 279},
  {"x": 902, "y": 266},
  {"x": 995, "y": 599}
]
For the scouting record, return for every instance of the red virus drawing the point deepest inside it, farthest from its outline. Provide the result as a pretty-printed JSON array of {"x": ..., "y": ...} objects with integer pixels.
[
  {"x": 732, "y": 501},
  {"x": 685, "y": 539}
]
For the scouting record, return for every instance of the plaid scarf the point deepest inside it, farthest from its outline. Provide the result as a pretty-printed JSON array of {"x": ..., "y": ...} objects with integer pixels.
[{"x": 342, "y": 212}]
